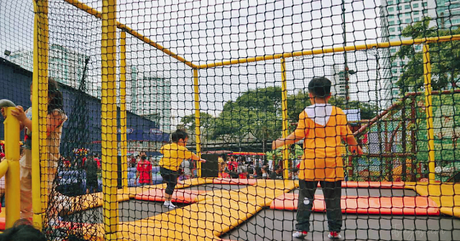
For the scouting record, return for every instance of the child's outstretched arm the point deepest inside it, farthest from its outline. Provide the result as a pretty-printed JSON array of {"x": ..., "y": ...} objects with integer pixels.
[
  {"x": 353, "y": 146},
  {"x": 197, "y": 158},
  {"x": 289, "y": 140}
]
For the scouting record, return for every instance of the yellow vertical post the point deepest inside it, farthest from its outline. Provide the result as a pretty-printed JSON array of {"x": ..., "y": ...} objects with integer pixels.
[
  {"x": 109, "y": 119},
  {"x": 285, "y": 117},
  {"x": 429, "y": 111},
  {"x": 196, "y": 85},
  {"x": 12, "y": 196},
  {"x": 123, "y": 122},
  {"x": 39, "y": 112}
]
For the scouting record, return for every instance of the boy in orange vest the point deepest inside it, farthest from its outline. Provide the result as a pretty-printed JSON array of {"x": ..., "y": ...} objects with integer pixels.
[{"x": 322, "y": 127}]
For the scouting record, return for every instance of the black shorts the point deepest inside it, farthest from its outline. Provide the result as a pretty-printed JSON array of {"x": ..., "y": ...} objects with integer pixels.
[{"x": 170, "y": 178}]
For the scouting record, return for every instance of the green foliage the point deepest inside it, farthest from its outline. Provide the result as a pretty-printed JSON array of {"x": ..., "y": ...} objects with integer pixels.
[
  {"x": 259, "y": 113},
  {"x": 444, "y": 56}
]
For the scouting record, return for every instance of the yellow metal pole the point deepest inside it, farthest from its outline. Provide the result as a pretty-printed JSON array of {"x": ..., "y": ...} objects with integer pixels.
[
  {"x": 134, "y": 33},
  {"x": 12, "y": 194},
  {"x": 39, "y": 113},
  {"x": 196, "y": 85},
  {"x": 109, "y": 119},
  {"x": 285, "y": 117},
  {"x": 332, "y": 50},
  {"x": 429, "y": 111},
  {"x": 123, "y": 122}
]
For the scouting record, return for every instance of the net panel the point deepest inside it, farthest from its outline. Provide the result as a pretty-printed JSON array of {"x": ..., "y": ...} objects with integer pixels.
[{"x": 177, "y": 70}]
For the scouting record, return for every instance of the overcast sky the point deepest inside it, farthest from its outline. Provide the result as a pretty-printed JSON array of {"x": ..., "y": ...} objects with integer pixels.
[{"x": 214, "y": 31}]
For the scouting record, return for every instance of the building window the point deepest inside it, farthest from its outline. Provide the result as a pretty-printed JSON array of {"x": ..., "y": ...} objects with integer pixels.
[
  {"x": 391, "y": 16},
  {"x": 399, "y": 8},
  {"x": 391, "y": 22},
  {"x": 394, "y": 71},
  {"x": 393, "y": 50},
  {"x": 392, "y": 29},
  {"x": 391, "y": 9},
  {"x": 407, "y": 6},
  {"x": 390, "y": 2},
  {"x": 425, "y": 11},
  {"x": 399, "y": 29},
  {"x": 407, "y": 14},
  {"x": 408, "y": 20},
  {"x": 424, "y": 4},
  {"x": 416, "y": 19},
  {"x": 416, "y": 12},
  {"x": 401, "y": 15}
]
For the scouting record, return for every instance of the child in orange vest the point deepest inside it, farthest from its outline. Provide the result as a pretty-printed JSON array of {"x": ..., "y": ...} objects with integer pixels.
[{"x": 322, "y": 127}]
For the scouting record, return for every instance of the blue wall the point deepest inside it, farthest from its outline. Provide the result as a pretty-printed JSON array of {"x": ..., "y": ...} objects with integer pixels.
[{"x": 83, "y": 128}]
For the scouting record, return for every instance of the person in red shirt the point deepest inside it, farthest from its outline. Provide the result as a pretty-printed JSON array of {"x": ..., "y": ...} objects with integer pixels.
[{"x": 144, "y": 171}]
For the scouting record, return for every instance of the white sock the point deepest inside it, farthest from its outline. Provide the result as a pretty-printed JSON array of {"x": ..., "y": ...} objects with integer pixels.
[{"x": 167, "y": 203}]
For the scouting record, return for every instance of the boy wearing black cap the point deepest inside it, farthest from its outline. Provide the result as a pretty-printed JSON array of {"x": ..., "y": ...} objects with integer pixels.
[{"x": 322, "y": 127}]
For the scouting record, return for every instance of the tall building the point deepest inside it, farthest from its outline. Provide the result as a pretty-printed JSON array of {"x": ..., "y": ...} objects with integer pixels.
[
  {"x": 447, "y": 12},
  {"x": 395, "y": 15},
  {"x": 65, "y": 65},
  {"x": 338, "y": 81},
  {"x": 150, "y": 97}
]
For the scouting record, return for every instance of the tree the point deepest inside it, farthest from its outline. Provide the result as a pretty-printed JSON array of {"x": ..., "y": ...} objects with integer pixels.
[
  {"x": 444, "y": 56},
  {"x": 207, "y": 123}
]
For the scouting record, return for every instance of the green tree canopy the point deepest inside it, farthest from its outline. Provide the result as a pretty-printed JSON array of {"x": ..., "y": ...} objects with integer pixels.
[{"x": 444, "y": 56}]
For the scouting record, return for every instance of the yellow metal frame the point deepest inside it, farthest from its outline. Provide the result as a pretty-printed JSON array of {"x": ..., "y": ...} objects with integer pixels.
[
  {"x": 10, "y": 167},
  {"x": 196, "y": 88},
  {"x": 123, "y": 116},
  {"x": 39, "y": 112},
  {"x": 109, "y": 110},
  {"x": 109, "y": 119},
  {"x": 284, "y": 108},
  {"x": 429, "y": 111}
]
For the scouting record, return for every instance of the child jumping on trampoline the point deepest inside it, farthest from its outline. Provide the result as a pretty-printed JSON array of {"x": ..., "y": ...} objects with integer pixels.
[
  {"x": 322, "y": 127},
  {"x": 55, "y": 120},
  {"x": 173, "y": 155}
]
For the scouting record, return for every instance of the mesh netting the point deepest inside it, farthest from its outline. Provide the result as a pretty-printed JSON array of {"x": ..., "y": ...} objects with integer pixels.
[{"x": 378, "y": 162}]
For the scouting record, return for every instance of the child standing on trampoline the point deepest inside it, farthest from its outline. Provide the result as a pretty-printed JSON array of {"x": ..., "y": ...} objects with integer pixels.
[
  {"x": 322, "y": 127},
  {"x": 173, "y": 155}
]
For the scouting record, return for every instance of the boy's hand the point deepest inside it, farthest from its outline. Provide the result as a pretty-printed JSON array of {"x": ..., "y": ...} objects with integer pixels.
[
  {"x": 3, "y": 112},
  {"x": 356, "y": 150},
  {"x": 274, "y": 145},
  {"x": 202, "y": 160},
  {"x": 19, "y": 113}
]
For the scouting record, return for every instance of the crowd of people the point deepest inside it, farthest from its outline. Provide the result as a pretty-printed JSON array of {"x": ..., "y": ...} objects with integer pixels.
[{"x": 251, "y": 167}]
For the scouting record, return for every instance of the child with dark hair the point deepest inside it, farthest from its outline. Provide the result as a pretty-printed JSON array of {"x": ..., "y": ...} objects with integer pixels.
[
  {"x": 22, "y": 230},
  {"x": 323, "y": 127},
  {"x": 173, "y": 155},
  {"x": 54, "y": 122}
]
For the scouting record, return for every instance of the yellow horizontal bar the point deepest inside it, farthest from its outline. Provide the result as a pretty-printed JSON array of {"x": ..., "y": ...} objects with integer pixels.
[
  {"x": 333, "y": 50},
  {"x": 134, "y": 33}
]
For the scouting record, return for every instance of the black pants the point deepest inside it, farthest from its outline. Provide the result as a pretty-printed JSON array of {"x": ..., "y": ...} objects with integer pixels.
[
  {"x": 170, "y": 178},
  {"x": 332, "y": 194}
]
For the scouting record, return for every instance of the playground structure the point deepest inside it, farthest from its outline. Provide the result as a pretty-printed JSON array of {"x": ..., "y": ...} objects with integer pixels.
[{"x": 216, "y": 207}]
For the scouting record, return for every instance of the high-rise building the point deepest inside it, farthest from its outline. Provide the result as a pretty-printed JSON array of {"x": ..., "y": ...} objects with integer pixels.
[
  {"x": 338, "y": 82},
  {"x": 151, "y": 97},
  {"x": 65, "y": 65},
  {"x": 395, "y": 15},
  {"x": 447, "y": 13}
]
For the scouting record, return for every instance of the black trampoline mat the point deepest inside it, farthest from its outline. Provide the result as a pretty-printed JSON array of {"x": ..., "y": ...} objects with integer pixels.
[
  {"x": 214, "y": 187},
  {"x": 371, "y": 192},
  {"x": 279, "y": 225},
  {"x": 131, "y": 210}
]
